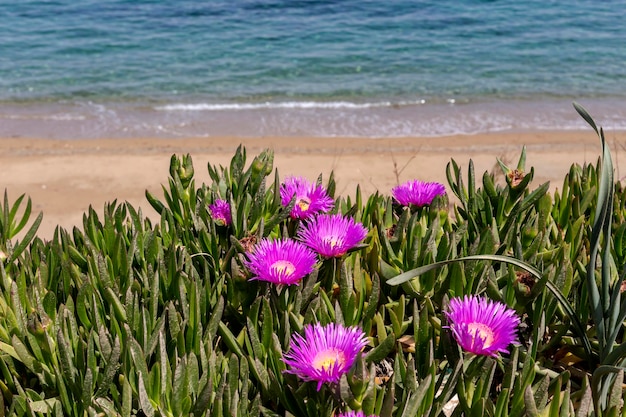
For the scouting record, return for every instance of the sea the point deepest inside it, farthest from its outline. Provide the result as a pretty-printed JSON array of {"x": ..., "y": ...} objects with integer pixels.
[{"x": 81, "y": 69}]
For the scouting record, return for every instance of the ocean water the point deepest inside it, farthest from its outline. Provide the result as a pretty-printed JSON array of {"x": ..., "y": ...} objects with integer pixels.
[{"x": 372, "y": 68}]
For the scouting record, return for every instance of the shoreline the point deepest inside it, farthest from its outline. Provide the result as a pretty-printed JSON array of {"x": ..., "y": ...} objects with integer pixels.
[
  {"x": 64, "y": 177},
  {"x": 187, "y": 117}
]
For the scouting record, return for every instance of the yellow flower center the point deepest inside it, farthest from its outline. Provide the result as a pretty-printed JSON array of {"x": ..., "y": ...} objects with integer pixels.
[
  {"x": 333, "y": 241},
  {"x": 304, "y": 203},
  {"x": 483, "y": 331},
  {"x": 326, "y": 359},
  {"x": 284, "y": 267}
]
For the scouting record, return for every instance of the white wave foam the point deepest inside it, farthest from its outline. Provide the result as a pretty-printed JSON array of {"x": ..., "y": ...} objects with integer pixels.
[
  {"x": 54, "y": 117},
  {"x": 304, "y": 118},
  {"x": 283, "y": 105}
]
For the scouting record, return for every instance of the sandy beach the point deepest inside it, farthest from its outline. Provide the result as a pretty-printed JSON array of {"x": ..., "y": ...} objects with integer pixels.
[{"x": 64, "y": 177}]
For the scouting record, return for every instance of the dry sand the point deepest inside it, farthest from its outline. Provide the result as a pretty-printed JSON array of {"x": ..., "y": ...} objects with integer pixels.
[{"x": 63, "y": 178}]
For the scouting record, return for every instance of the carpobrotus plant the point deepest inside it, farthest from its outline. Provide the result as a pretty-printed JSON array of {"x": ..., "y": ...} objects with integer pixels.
[
  {"x": 482, "y": 326},
  {"x": 324, "y": 353},
  {"x": 281, "y": 262},
  {"x": 220, "y": 212},
  {"x": 417, "y": 193},
  {"x": 311, "y": 198},
  {"x": 332, "y": 236}
]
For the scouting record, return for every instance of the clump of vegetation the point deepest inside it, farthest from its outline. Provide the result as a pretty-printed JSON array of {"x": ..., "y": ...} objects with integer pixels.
[{"x": 279, "y": 298}]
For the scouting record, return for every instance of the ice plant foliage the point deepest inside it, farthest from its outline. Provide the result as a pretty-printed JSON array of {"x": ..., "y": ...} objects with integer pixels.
[
  {"x": 332, "y": 235},
  {"x": 324, "y": 353},
  {"x": 220, "y": 212},
  {"x": 310, "y": 198},
  {"x": 482, "y": 326},
  {"x": 417, "y": 193},
  {"x": 282, "y": 262}
]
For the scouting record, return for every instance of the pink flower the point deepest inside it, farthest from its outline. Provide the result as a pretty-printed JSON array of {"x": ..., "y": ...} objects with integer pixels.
[
  {"x": 310, "y": 198},
  {"x": 220, "y": 212},
  {"x": 353, "y": 414},
  {"x": 325, "y": 353},
  {"x": 417, "y": 193},
  {"x": 482, "y": 326},
  {"x": 283, "y": 262},
  {"x": 332, "y": 235}
]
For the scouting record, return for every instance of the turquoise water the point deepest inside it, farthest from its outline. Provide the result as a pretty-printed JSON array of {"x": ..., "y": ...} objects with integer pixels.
[{"x": 127, "y": 68}]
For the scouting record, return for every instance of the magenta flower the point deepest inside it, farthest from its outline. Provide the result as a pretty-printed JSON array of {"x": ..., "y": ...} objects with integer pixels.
[
  {"x": 310, "y": 198},
  {"x": 220, "y": 212},
  {"x": 482, "y": 326},
  {"x": 332, "y": 235},
  {"x": 325, "y": 353},
  {"x": 354, "y": 414},
  {"x": 417, "y": 193},
  {"x": 282, "y": 262}
]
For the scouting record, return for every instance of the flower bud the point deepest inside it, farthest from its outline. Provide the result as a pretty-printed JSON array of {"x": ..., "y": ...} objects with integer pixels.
[
  {"x": 184, "y": 169},
  {"x": 515, "y": 177}
]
